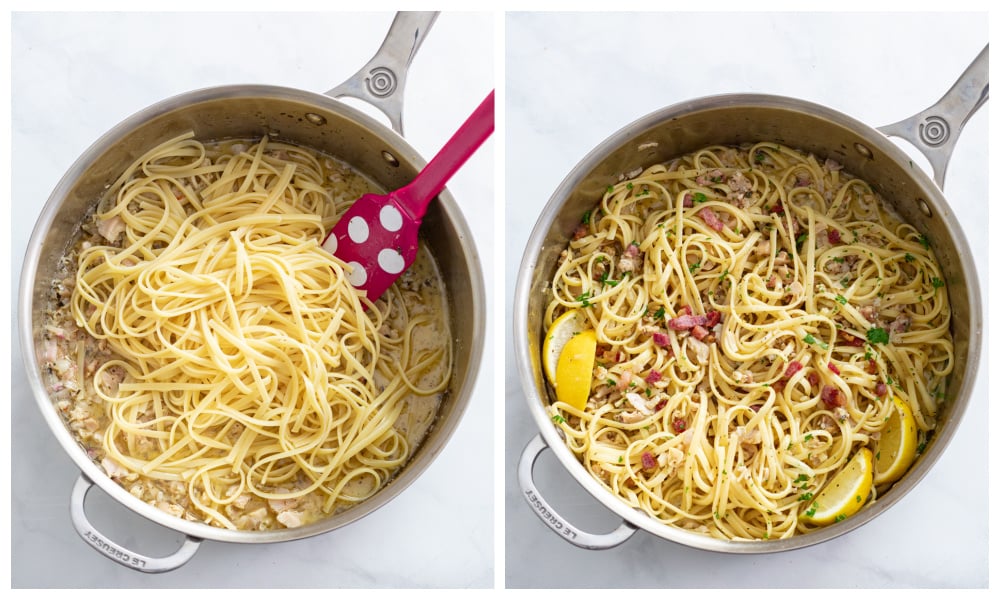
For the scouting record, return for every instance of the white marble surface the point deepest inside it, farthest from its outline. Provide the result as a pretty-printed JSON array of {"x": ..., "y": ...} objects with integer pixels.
[
  {"x": 73, "y": 78},
  {"x": 572, "y": 80}
]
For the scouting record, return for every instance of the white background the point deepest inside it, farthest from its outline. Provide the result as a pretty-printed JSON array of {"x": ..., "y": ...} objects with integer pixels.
[
  {"x": 572, "y": 80},
  {"x": 74, "y": 76}
]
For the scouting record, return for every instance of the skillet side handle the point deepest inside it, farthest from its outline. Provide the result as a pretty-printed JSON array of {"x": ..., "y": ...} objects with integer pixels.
[
  {"x": 559, "y": 525},
  {"x": 116, "y": 552},
  {"x": 381, "y": 81},
  {"x": 935, "y": 130}
]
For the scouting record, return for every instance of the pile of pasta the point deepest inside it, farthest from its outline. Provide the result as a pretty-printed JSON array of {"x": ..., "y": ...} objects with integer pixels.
[
  {"x": 755, "y": 310},
  {"x": 245, "y": 367}
]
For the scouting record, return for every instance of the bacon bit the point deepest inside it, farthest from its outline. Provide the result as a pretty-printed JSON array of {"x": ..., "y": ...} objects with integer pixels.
[
  {"x": 653, "y": 376},
  {"x": 880, "y": 389},
  {"x": 756, "y": 407},
  {"x": 680, "y": 425},
  {"x": 632, "y": 250},
  {"x": 777, "y": 209},
  {"x": 813, "y": 379},
  {"x": 850, "y": 340},
  {"x": 833, "y": 235},
  {"x": 712, "y": 318},
  {"x": 688, "y": 201},
  {"x": 779, "y": 385},
  {"x": 685, "y": 310},
  {"x": 872, "y": 367},
  {"x": 833, "y": 368},
  {"x": 648, "y": 462},
  {"x": 580, "y": 231},
  {"x": 699, "y": 332},
  {"x": 831, "y": 396},
  {"x": 684, "y": 322},
  {"x": 711, "y": 219},
  {"x": 659, "y": 405},
  {"x": 793, "y": 368},
  {"x": 661, "y": 339}
]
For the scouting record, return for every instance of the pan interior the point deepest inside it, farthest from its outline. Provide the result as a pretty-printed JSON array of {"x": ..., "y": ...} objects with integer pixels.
[
  {"x": 734, "y": 120},
  {"x": 305, "y": 119}
]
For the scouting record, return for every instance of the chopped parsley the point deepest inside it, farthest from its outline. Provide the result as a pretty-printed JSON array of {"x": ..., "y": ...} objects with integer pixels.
[
  {"x": 936, "y": 282},
  {"x": 660, "y": 313},
  {"x": 558, "y": 419},
  {"x": 808, "y": 437},
  {"x": 611, "y": 189},
  {"x": 877, "y": 335},
  {"x": 585, "y": 298},
  {"x": 699, "y": 197},
  {"x": 724, "y": 274},
  {"x": 586, "y": 218},
  {"x": 605, "y": 280},
  {"x": 812, "y": 509},
  {"x": 809, "y": 339},
  {"x": 925, "y": 242},
  {"x": 840, "y": 518},
  {"x": 806, "y": 497},
  {"x": 909, "y": 257},
  {"x": 694, "y": 267},
  {"x": 841, "y": 299}
]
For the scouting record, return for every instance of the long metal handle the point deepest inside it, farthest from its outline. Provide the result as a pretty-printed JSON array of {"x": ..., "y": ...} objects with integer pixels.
[
  {"x": 935, "y": 130},
  {"x": 548, "y": 515},
  {"x": 381, "y": 81},
  {"x": 116, "y": 552}
]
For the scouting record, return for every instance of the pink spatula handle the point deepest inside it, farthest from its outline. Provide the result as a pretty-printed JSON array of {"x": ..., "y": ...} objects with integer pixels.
[{"x": 415, "y": 196}]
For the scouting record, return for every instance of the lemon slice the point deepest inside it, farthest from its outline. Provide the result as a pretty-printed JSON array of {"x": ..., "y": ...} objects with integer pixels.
[
  {"x": 845, "y": 494},
  {"x": 897, "y": 445},
  {"x": 563, "y": 328},
  {"x": 575, "y": 368}
]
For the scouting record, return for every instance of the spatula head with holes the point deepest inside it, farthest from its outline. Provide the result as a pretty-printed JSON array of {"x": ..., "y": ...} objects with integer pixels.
[{"x": 377, "y": 236}]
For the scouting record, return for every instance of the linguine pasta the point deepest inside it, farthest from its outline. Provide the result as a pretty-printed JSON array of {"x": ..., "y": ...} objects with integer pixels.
[
  {"x": 755, "y": 310},
  {"x": 237, "y": 377}
]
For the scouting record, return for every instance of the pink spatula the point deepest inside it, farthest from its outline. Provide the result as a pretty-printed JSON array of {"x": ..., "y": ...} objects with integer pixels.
[{"x": 377, "y": 236}]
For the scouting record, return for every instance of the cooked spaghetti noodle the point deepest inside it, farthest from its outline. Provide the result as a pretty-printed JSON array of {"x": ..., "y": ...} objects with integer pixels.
[
  {"x": 234, "y": 361},
  {"x": 755, "y": 310}
]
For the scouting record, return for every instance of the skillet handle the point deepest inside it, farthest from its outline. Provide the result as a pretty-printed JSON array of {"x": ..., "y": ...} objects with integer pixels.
[
  {"x": 116, "y": 552},
  {"x": 935, "y": 130},
  {"x": 381, "y": 81},
  {"x": 582, "y": 539}
]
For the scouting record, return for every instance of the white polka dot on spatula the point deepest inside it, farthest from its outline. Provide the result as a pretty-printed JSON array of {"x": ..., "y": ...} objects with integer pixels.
[
  {"x": 358, "y": 275},
  {"x": 390, "y": 218},
  {"x": 331, "y": 244},
  {"x": 391, "y": 261},
  {"x": 357, "y": 228}
]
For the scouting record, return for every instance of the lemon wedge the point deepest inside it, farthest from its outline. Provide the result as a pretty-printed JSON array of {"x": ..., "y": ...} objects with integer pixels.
[
  {"x": 845, "y": 494},
  {"x": 575, "y": 368},
  {"x": 563, "y": 328},
  {"x": 897, "y": 445}
]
